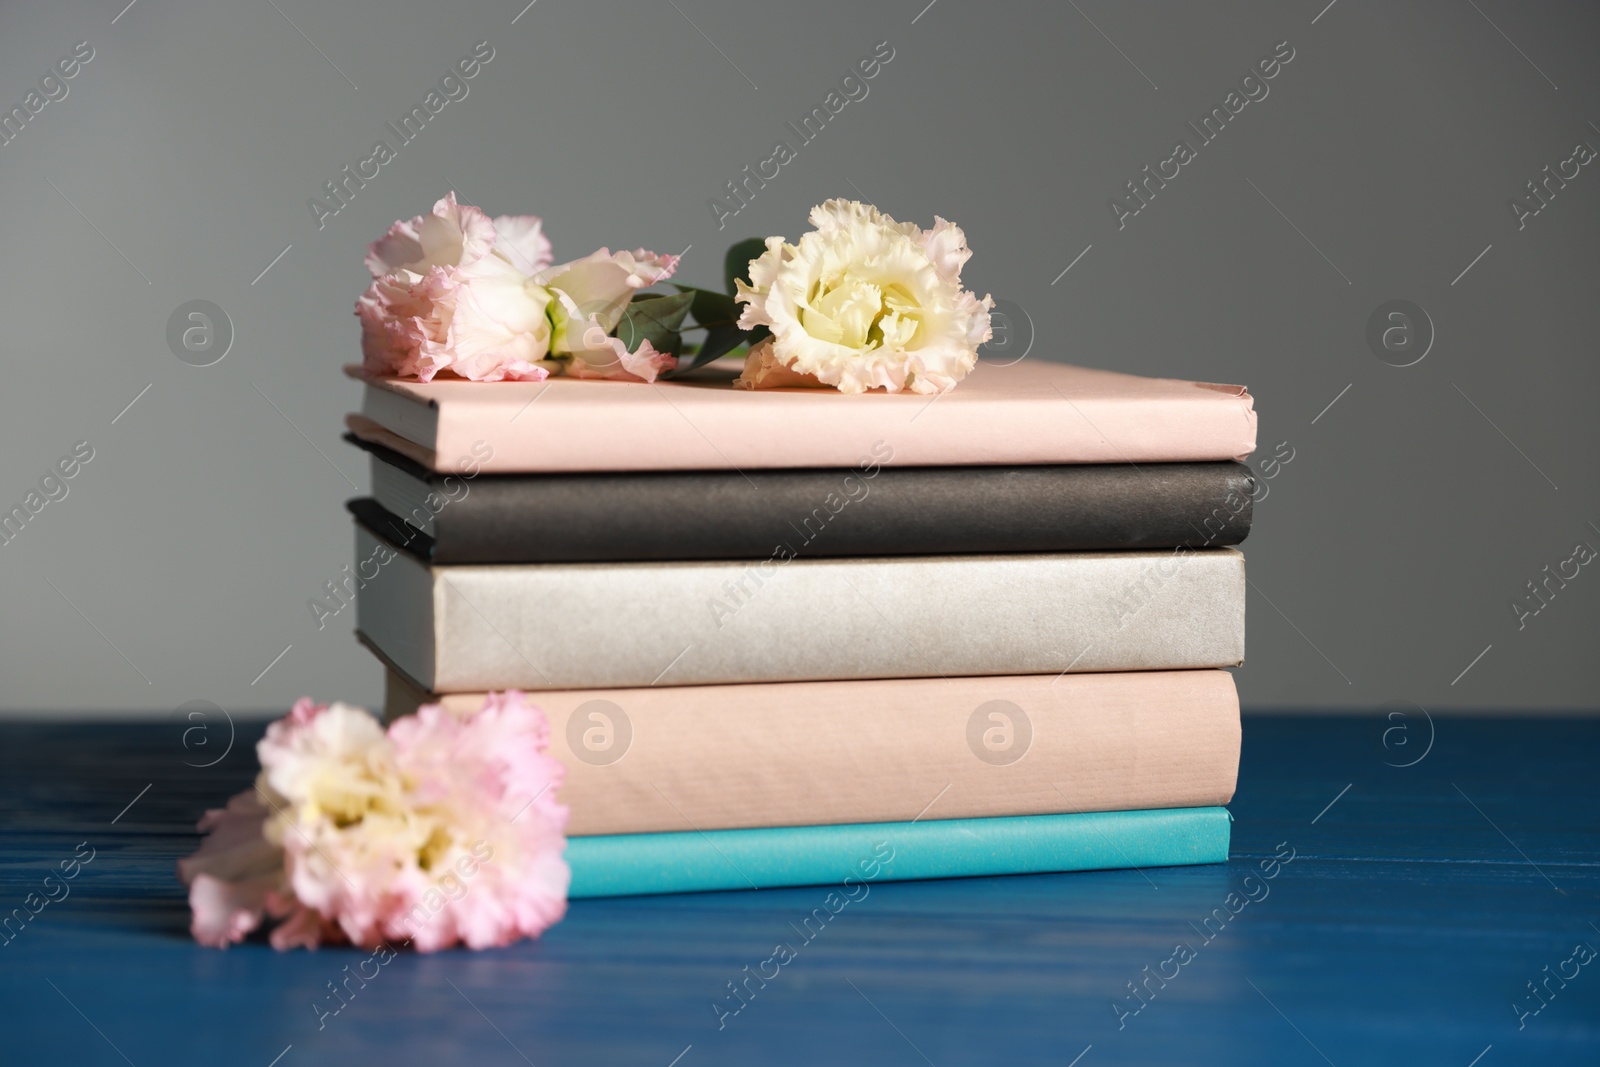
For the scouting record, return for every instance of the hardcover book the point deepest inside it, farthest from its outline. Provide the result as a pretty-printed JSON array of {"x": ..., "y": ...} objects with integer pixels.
[
  {"x": 684, "y": 758},
  {"x": 872, "y": 511},
  {"x": 468, "y": 628},
  {"x": 1027, "y": 413},
  {"x": 853, "y": 858}
]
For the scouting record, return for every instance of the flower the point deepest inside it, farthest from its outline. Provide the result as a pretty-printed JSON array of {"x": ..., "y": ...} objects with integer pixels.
[
  {"x": 448, "y": 294},
  {"x": 442, "y": 830},
  {"x": 590, "y": 296},
  {"x": 499, "y": 329},
  {"x": 454, "y": 291},
  {"x": 237, "y": 876},
  {"x": 863, "y": 302}
]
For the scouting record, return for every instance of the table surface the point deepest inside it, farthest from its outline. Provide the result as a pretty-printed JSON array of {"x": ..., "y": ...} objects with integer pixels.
[{"x": 1420, "y": 904}]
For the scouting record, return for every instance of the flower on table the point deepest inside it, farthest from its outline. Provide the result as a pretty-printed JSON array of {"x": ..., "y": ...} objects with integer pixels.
[
  {"x": 440, "y": 830},
  {"x": 863, "y": 302}
]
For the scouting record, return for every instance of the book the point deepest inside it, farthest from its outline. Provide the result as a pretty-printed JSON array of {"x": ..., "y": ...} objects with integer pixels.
[
  {"x": 669, "y": 515},
  {"x": 1030, "y": 412},
  {"x": 853, "y": 858},
  {"x": 680, "y": 758},
  {"x": 468, "y": 628}
]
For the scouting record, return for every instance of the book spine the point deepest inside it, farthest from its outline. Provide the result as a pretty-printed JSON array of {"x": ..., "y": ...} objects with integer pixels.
[
  {"x": 779, "y": 430},
  {"x": 671, "y": 758},
  {"x": 852, "y": 858},
  {"x": 849, "y": 512},
  {"x": 786, "y": 619}
]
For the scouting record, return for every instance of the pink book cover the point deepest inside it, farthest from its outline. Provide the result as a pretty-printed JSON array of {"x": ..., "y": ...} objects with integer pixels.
[
  {"x": 1029, "y": 412},
  {"x": 679, "y": 758}
]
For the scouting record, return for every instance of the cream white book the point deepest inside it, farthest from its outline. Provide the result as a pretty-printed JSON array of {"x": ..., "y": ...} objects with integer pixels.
[{"x": 467, "y": 628}]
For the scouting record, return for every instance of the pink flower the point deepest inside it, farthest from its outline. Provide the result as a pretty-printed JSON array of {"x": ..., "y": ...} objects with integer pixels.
[
  {"x": 419, "y": 268},
  {"x": 233, "y": 873},
  {"x": 237, "y": 876},
  {"x": 490, "y": 788},
  {"x": 443, "y": 830},
  {"x": 456, "y": 292}
]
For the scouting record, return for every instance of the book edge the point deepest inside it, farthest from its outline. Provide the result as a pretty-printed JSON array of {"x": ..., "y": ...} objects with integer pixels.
[{"x": 629, "y": 865}]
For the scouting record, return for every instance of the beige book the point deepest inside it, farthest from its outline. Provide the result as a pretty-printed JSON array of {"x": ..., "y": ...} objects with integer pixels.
[
  {"x": 810, "y": 753},
  {"x": 470, "y": 628}
]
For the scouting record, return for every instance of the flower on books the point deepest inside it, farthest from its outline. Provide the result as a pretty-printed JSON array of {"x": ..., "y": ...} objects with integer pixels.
[
  {"x": 457, "y": 292},
  {"x": 863, "y": 302},
  {"x": 416, "y": 318},
  {"x": 591, "y": 296},
  {"x": 441, "y": 830}
]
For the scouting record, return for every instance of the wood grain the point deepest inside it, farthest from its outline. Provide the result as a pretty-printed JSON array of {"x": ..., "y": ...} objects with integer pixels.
[{"x": 1414, "y": 911}]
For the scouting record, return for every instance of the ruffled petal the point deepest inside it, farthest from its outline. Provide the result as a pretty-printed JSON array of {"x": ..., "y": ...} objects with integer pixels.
[
  {"x": 500, "y": 329},
  {"x": 600, "y": 286},
  {"x": 303, "y": 928},
  {"x": 863, "y": 302},
  {"x": 451, "y": 235},
  {"x": 608, "y": 357},
  {"x": 223, "y": 913},
  {"x": 946, "y": 246},
  {"x": 234, "y": 847},
  {"x": 763, "y": 370},
  {"x": 520, "y": 240}
]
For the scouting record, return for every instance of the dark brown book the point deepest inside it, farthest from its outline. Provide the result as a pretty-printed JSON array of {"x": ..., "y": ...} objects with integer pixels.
[{"x": 868, "y": 510}]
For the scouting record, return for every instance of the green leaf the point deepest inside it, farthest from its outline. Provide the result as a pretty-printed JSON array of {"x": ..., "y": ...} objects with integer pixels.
[
  {"x": 736, "y": 264},
  {"x": 719, "y": 313},
  {"x": 720, "y": 340},
  {"x": 710, "y": 308},
  {"x": 655, "y": 319}
]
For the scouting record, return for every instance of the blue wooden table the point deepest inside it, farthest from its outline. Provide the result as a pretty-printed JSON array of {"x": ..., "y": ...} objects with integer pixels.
[{"x": 1438, "y": 913}]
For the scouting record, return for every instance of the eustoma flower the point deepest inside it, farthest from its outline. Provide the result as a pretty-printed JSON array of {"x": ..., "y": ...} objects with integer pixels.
[
  {"x": 590, "y": 296},
  {"x": 457, "y": 292},
  {"x": 421, "y": 268},
  {"x": 441, "y": 830},
  {"x": 863, "y": 302}
]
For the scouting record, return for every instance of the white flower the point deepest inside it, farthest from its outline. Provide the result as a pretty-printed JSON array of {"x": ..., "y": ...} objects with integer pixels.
[
  {"x": 589, "y": 297},
  {"x": 864, "y": 302}
]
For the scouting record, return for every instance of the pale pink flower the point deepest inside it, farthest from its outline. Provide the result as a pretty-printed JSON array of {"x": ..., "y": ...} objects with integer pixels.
[
  {"x": 408, "y": 314},
  {"x": 489, "y": 790},
  {"x": 441, "y": 830},
  {"x": 234, "y": 873},
  {"x": 451, "y": 236},
  {"x": 237, "y": 876},
  {"x": 456, "y": 292}
]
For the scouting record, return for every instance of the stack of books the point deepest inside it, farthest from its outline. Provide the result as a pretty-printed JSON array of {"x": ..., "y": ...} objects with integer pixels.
[{"x": 796, "y": 637}]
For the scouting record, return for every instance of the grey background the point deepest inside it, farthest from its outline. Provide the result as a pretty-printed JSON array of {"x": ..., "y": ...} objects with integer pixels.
[{"x": 1385, "y": 556}]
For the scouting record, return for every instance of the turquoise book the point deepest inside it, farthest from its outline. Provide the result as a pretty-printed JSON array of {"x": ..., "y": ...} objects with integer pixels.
[{"x": 621, "y": 865}]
